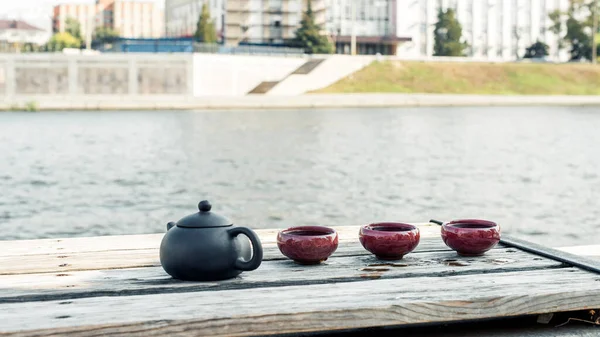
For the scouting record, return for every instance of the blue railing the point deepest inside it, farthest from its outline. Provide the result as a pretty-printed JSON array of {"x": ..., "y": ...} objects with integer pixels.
[
  {"x": 247, "y": 49},
  {"x": 162, "y": 45},
  {"x": 188, "y": 45}
]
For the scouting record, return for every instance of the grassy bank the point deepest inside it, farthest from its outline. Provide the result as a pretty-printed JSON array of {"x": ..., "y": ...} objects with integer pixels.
[{"x": 472, "y": 78}]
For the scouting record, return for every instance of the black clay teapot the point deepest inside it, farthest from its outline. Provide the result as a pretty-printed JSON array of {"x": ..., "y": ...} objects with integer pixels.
[{"x": 205, "y": 246}]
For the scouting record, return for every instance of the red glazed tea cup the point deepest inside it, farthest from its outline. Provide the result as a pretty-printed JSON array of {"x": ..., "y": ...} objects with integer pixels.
[
  {"x": 307, "y": 244},
  {"x": 389, "y": 240},
  {"x": 471, "y": 237}
]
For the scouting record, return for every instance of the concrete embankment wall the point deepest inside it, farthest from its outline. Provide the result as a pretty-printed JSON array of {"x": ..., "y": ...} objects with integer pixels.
[
  {"x": 236, "y": 75},
  {"x": 110, "y": 74},
  {"x": 31, "y": 76},
  {"x": 207, "y": 81},
  {"x": 39, "y": 76}
]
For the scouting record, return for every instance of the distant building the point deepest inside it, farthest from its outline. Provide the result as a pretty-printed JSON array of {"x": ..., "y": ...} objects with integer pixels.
[
  {"x": 132, "y": 19},
  {"x": 275, "y": 22},
  {"x": 267, "y": 21},
  {"x": 17, "y": 33},
  {"x": 181, "y": 16},
  {"x": 495, "y": 29},
  {"x": 242, "y": 21},
  {"x": 373, "y": 23}
]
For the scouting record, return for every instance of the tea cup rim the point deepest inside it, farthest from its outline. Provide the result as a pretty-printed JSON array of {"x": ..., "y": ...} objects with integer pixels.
[
  {"x": 476, "y": 223},
  {"x": 402, "y": 226},
  {"x": 322, "y": 230}
]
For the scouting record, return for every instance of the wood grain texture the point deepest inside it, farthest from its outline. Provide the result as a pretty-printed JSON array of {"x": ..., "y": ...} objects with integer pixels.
[
  {"x": 137, "y": 281},
  {"x": 292, "y": 309},
  {"x": 151, "y": 241},
  {"x": 71, "y": 285},
  {"x": 149, "y": 257}
]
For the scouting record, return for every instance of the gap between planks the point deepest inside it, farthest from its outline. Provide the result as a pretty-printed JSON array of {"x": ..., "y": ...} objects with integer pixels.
[
  {"x": 321, "y": 307},
  {"x": 137, "y": 281},
  {"x": 119, "y": 259},
  {"x": 64, "y": 246}
]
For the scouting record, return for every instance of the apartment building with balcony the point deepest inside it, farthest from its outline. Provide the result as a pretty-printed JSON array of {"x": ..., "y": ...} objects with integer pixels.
[
  {"x": 132, "y": 19},
  {"x": 494, "y": 29},
  {"x": 181, "y": 16},
  {"x": 276, "y": 21},
  {"x": 242, "y": 21},
  {"x": 267, "y": 21}
]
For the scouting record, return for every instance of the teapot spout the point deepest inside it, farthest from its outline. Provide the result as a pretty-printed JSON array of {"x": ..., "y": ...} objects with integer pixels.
[{"x": 170, "y": 225}]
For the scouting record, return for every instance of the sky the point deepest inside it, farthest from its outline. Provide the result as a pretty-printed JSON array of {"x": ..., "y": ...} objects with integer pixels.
[{"x": 38, "y": 12}]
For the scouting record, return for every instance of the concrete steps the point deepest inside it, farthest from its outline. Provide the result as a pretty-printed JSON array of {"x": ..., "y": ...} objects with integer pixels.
[
  {"x": 307, "y": 67},
  {"x": 324, "y": 72},
  {"x": 263, "y": 87},
  {"x": 304, "y": 69}
]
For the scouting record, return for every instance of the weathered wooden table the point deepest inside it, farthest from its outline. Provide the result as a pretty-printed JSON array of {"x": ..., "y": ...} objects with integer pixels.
[{"x": 115, "y": 285}]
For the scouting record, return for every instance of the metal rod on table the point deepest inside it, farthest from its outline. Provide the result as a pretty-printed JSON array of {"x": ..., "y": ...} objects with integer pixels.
[{"x": 550, "y": 253}]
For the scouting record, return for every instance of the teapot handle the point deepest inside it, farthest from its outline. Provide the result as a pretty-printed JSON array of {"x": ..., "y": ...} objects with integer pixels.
[{"x": 257, "y": 252}]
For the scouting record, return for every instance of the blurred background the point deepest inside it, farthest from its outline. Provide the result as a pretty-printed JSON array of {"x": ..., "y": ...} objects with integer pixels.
[
  {"x": 96, "y": 161},
  {"x": 490, "y": 29}
]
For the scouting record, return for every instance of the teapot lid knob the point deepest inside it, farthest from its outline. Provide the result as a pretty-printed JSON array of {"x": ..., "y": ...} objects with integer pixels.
[
  {"x": 204, "y": 219},
  {"x": 204, "y": 206}
]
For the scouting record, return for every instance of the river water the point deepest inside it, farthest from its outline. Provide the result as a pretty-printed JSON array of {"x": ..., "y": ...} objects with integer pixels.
[{"x": 534, "y": 170}]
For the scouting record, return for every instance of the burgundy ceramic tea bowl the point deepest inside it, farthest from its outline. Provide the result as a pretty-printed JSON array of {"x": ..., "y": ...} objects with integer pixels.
[
  {"x": 471, "y": 237},
  {"x": 389, "y": 240},
  {"x": 307, "y": 244}
]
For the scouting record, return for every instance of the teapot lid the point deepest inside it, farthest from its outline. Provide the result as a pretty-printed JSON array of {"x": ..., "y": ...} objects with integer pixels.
[{"x": 204, "y": 218}]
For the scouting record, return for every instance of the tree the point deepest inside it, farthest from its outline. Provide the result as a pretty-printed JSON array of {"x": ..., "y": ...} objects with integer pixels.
[
  {"x": 60, "y": 41},
  {"x": 29, "y": 47},
  {"x": 73, "y": 27},
  {"x": 597, "y": 41},
  {"x": 105, "y": 35},
  {"x": 537, "y": 50},
  {"x": 556, "y": 28},
  {"x": 448, "y": 34},
  {"x": 578, "y": 39},
  {"x": 309, "y": 37},
  {"x": 205, "y": 28},
  {"x": 578, "y": 36}
]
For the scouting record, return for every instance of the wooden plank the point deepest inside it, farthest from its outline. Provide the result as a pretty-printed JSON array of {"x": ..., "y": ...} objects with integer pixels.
[
  {"x": 150, "y": 241},
  {"x": 137, "y": 281},
  {"x": 118, "y": 259},
  {"x": 61, "y": 255},
  {"x": 293, "y": 309},
  {"x": 79, "y": 244}
]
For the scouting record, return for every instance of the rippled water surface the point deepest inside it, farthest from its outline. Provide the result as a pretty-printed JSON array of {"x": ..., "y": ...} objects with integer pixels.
[{"x": 536, "y": 171}]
